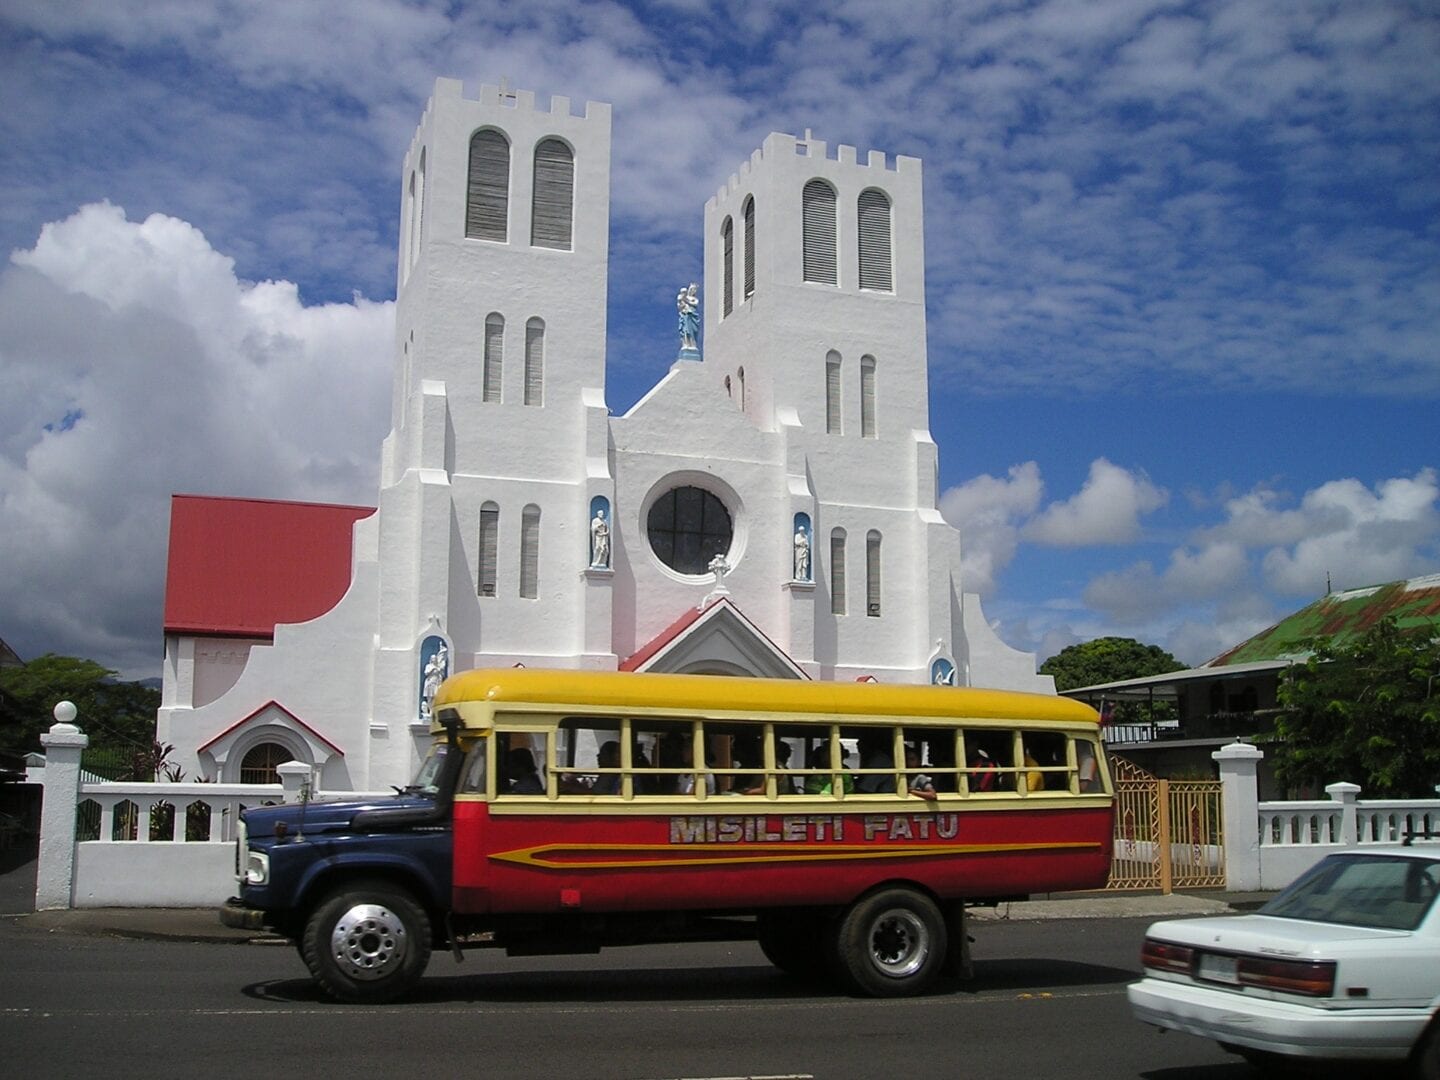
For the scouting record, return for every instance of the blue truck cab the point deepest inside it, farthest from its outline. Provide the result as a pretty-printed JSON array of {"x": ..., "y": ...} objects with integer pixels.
[{"x": 362, "y": 886}]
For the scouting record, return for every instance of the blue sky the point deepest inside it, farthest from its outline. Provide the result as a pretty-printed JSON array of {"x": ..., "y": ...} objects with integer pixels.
[{"x": 1183, "y": 273}]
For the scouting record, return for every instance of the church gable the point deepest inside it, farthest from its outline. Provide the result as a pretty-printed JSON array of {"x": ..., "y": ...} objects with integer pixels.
[{"x": 719, "y": 640}]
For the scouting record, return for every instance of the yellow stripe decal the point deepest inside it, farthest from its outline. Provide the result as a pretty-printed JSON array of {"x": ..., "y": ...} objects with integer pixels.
[{"x": 588, "y": 856}]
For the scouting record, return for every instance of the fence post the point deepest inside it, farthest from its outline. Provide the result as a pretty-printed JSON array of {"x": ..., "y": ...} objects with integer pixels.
[
  {"x": 1346, "y": 795},
  {"x": 1240, "y": 811},
  {"x": 295, "y": 779},
  {"x": 55, "y": 870}
]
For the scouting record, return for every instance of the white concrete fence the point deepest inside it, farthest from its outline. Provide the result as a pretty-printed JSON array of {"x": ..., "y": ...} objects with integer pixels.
[
  {"x": 145, "y": 855},
  {"x": 108, "y": 844},
  {"x": 1270, "y": 844}
]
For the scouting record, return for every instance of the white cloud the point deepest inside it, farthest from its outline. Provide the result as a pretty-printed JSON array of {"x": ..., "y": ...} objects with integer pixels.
[
  {"x": 986, "y": 510},
  {"x": 134, "y": 364},
  {"x": 1356, "y": 536},
  {"x": 1106, "y": 510}
]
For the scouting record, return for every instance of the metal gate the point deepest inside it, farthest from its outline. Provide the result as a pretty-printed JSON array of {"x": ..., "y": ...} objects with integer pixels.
[{"x": 1168, "y": 833}]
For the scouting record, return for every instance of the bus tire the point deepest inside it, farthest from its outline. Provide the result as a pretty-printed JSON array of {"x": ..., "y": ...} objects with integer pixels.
[
  {"x": 794, "y": 941},
  {"x": 367, "y": 943},
  {"x": 891, "y": 943}
]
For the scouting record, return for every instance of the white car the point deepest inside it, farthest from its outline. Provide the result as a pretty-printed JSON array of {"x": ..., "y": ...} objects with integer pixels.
[{"x": 1345, "y": 963}]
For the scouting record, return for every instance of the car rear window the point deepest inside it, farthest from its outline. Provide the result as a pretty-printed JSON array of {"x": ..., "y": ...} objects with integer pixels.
[{"x": 1384, "y": 892}]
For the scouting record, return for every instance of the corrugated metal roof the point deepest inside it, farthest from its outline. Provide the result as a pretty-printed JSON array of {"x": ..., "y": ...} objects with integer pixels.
[
  {"x": 1342, "y": 615},
  {"x": 241, "y": 566}
]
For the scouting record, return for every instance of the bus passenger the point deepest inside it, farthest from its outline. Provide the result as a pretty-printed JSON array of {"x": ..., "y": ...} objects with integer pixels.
[
  {"x": 875, "y": 754},
  {"x": 521, "y": 773},
  {"x": 984, "y": 776},
  {"x": 608, "y": 783},
  {"x": 1089, "y": 766},
  {"x": 917, "y": 783}
]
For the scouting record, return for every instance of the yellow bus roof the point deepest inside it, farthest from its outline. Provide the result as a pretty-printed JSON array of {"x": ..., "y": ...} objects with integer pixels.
[{"x": 723, "y": 694}]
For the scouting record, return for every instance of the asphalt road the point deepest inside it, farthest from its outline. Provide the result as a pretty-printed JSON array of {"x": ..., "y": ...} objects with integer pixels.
[{"x": 1047, "y": 1001}]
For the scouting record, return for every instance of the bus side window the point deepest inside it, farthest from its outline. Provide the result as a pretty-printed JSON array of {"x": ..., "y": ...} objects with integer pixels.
[
  {"x": 789, "y": 761},
  {"x": 935, "y": 751},
  {"x": 990, "y": 760},
  {"x": 521, "y": 766},
  {"x": 474, "y": 782},
  {"x": 1046, "y": 749},
  {"x": 578, "y": 744}
]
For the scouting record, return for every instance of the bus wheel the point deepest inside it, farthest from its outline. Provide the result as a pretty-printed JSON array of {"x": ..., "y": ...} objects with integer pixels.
[
  {"x": 891, "y": 943},
  {"x": 794, "y": 941},
  {"x": 367, "y": 943}
]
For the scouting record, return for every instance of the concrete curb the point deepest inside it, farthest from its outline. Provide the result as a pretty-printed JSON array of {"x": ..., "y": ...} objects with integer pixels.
[{"x": 202, "y": 925}]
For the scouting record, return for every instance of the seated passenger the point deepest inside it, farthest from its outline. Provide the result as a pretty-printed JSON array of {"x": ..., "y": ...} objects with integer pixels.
[
  {"x": 984, "y": 776},
  {"x": 917, "y": 783},
  {"x": 875, "y": 754},
  {"x": 608, "y": 783},
  {"x": 520, "y": 771}
]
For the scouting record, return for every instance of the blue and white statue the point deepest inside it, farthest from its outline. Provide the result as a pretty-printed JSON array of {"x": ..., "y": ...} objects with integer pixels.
[{"x": 687, "y": 303}]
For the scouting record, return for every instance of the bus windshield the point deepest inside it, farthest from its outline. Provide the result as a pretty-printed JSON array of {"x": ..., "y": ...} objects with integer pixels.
[{"x": 427, "y": 777}]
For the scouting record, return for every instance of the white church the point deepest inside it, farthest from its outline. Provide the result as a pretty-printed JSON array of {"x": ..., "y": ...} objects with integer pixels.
[{"x": 768, "y": 508}]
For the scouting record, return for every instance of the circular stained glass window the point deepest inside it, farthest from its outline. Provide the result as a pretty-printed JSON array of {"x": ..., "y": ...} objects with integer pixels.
[{"x": 688, "y": 526}]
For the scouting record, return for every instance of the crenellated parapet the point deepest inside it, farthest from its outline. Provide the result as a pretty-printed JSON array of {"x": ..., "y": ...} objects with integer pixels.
[{"x": 780, "y": 147}]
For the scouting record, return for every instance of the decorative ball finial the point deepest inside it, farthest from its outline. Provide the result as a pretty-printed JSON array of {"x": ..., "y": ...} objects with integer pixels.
[{"x": 65, "y": 712}]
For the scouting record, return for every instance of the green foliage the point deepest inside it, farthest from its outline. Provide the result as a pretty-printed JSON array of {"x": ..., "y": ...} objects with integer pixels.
[
  {"x": 1107, "y": 659},
  {"x": 1366, "y": 711},
  {"x": 119, "y": 717}
]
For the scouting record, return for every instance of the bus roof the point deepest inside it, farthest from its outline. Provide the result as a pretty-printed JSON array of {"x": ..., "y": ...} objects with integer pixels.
[{"x": 724, "y": 694}]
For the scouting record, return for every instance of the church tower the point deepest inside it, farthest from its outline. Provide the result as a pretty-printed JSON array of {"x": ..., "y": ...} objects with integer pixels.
[
  {"x": 815, "y": 322},
  {"x": 498, "y": 442}
]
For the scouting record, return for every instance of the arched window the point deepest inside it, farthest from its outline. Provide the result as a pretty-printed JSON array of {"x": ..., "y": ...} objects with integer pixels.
[
  {"x": 873, "y": 220},
  {"x": 494, "y": 356},
  {"x": 748, "y": 213},
  {"x": 552, "y": 218},
  {"x": 727, "y": 267},
  {"x": 258, "y": 764},
  {"x": 837, "y": 572},
  {"x": 741, "y": 374},
  {"x": 872, "y": 574},
  {"x": 867, "y": 397},
  {"x": 530, "y": 552},
  {"x": 818, "y": 225},
  {"x": 535, "y": 362},
  {"x": 410, "y": 224},
  {"x": 832, "y": 393},
  {"x": 489, "y": 547},
  {"x": 487, "y": 203}
]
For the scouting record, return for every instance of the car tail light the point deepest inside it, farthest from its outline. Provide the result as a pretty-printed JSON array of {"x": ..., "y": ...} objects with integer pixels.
[
  {"x": 1163, "y": 956},
  {"x": 1312, "y": 978}
]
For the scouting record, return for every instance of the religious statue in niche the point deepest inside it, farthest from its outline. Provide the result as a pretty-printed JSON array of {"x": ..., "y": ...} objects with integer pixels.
[
  {"x": 599, "y": 538},
  {"x": 687, "y": 304},
  {"x": 436, "y": 667},
  {"x": 942, "y": 673},
  {"x": 802, "y": 549}
]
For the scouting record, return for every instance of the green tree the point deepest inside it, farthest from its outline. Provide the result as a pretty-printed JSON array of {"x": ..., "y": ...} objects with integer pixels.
[
  {"x": 1366, "y": 711},
  {"x": 118, "y": 716},
  {"x": 1107, "y": 659}
]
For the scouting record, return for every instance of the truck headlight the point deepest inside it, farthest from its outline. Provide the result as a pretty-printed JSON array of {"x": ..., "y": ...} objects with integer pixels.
[{"x": 257, "y": 868}]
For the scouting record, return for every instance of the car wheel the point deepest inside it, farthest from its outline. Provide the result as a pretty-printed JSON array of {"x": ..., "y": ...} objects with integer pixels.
[
  {"x": 367, "y": 943},
  {"x": 794, "y": 941},
  {"x": 891, "y": 943}
]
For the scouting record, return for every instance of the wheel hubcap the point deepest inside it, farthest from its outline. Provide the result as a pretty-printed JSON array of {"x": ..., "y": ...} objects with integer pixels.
[
  {"x": 368, "y": 941},
  {"x": 899, "y": 943}
]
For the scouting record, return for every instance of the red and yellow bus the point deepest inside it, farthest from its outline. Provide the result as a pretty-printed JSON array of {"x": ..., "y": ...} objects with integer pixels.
[{"x": 845, "y": 826}]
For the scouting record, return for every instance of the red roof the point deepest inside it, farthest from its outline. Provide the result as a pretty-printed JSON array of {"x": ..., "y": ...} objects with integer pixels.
[{"x": 240, "y": 566}]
